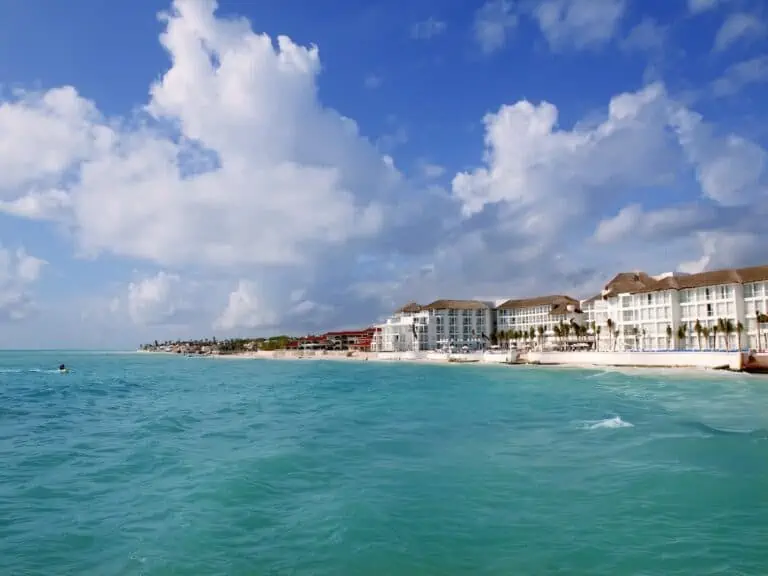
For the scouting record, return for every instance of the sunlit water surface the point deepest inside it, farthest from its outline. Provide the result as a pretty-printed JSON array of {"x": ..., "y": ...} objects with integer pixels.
[{"x": 157, "y": 465}]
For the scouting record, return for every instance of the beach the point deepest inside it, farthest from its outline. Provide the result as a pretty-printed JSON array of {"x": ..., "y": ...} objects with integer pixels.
[{"x": 666, "y": 360}]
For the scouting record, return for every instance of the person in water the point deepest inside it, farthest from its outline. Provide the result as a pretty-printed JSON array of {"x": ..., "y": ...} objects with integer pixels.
[{"x": 63, "y": 369}]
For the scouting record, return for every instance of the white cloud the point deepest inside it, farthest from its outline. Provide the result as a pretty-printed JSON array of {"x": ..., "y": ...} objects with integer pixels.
[
  {"x": 372, "y": 81},
  {"x": 246, "y": 308},
  {"x": 579, "y": 23},
  {"x": 290, "y": 178},
  {"x": 633, "y": 222},
  {"x": 545, "y": 191},
  {"x": 646, "y": 36},
  {"x": 428, "y": 28},
  {"x": 493, "y": 21},
  {"x": 738, "y": 26},
  {"x": 18, "y": 273},
  {"x": 158, "y": 299},
  {"x": 740, "y": 75},
  {"x": 530, "y": 163},
  {"x": 732, "y": 170},
  {"x": 270, "y": 212},
  {"x": 699, "y": 6},
  {"x": 429, "y": 170},
  {"x": 44, "y": 134},
  {"x": 260, "y": 305}
]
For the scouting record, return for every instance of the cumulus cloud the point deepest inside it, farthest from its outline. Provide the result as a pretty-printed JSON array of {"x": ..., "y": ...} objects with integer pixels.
[
  {"x": 268, "y": 211},
  {"x": 286, "y": 178},
  {"x": 552, "y": 206},
  {"x": 159, "y": 299},
  {"x": 18, "y": 273},
  {"x": 250, "y": 306},
  {"x": 493, "y": 21},
  {"x": 579, "y": 23},
  {"x": 699, "y": 6}
]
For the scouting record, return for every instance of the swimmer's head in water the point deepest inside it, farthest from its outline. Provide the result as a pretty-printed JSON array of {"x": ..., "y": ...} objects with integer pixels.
[{"x": 62, "y": 367}]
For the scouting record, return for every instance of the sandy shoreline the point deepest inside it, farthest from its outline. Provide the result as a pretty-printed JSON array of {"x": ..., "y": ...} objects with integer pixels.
[{"x": 339, "y": 356}]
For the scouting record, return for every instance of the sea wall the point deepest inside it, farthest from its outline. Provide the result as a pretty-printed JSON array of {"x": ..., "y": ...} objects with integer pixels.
[
  {"x": 757, "y": 362},
  {"x": 671, "y": 359}
]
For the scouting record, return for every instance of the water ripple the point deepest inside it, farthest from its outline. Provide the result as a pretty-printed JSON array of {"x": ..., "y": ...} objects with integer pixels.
[{"x": 140, "y": 464}]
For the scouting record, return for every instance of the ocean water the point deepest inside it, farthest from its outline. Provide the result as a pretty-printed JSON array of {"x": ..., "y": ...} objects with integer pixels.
[{"x": 147, "y": 464}]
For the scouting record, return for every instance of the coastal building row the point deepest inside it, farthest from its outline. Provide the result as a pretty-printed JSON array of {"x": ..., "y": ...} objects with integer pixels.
[{"x": 717, "y": 310}]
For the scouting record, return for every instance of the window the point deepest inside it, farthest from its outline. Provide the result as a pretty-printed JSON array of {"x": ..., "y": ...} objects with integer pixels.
[
  {"x": 684, "y": 296},
  {"x": 625, "y": 301},
  {"x": 706, "y": 293},
  {"x": 709, "y": 310},
  {"x": 749, "y": 290},
  {"x": 650, "y": 298}
]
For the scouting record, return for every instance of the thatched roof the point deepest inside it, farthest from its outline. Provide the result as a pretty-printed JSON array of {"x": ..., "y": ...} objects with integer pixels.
[
  {"x": 410, "y": 308},
  {"x": 555, "y": 301},
  {"x": 457, "y": 305},
  {"x": 629, "y": 282},
  {"x": 640, "y": 282}
]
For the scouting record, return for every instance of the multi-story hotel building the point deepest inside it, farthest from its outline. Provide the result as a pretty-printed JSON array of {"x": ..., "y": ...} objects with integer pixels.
[
  {"x": 680, "y": 310},
  {"x": 633, "y": 311},
  {"x": 546, "y": 312},
  {"x": 443, "y": 324}
]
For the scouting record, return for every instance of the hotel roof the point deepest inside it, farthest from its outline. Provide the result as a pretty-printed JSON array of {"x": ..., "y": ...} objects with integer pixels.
[
  {"x": 558, "y": 303},
  {"x": 410, "y": 308},
  {"x": 457, "y": 305},
  {"x": 640, "y": 282}
]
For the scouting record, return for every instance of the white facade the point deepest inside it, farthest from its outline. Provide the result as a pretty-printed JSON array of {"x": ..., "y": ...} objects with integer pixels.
[
  {"x": 546, "y": 316},
  {"x": 755, "y": 299},
  {"x": 642, "y": 319},
  {"x": 459, "y": 328},
  {"x": 453, "y": 328},
  {"x": 397, "y": 333}
]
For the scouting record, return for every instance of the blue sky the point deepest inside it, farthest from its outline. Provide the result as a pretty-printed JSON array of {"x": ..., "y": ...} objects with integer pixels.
[{"x": 179, "y": 176}]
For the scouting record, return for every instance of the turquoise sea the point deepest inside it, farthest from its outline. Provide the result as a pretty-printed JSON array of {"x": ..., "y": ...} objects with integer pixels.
[{"x": 156, "y": 465}]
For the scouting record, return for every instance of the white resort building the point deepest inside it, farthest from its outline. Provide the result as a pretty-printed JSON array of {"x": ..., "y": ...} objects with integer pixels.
[
  {"x": 442, "y": 325},
  {"x": 715, "y": 310},
  {"x": 542, "y": 317}
]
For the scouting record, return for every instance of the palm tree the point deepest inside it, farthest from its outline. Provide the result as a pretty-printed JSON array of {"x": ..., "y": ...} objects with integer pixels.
[
  {"x": 739, "y": 332},
  {"x": 609, "y": 324},
  {"x": 669, "y": 335},
  {"x": 615, "y": 339},
  {"x": 540, "y": 330},
  {"x": 715, "y": 330},
  {"x": 635, "y": 332},
  {"x": 597, "y": 337},
  {"x": 698, "y": 329},
  {"x": 728, "y": 329},
  {"x": 720, "y": 328},
  {"x": 532, "y": 335},
  {"x": 705, "y": 332},
  {"x": 760, "y": 319},
  {"x": 681, "y": 333},
  {"x": 642, "y": 344}
]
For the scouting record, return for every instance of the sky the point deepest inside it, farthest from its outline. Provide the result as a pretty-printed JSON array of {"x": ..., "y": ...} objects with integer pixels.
[{"x": 192, "y": 168}]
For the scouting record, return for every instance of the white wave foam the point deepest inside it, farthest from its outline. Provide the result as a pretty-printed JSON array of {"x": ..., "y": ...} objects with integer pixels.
[
  {"x": 615, "y": 422},
  {"x": 27, "y": 371}
]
